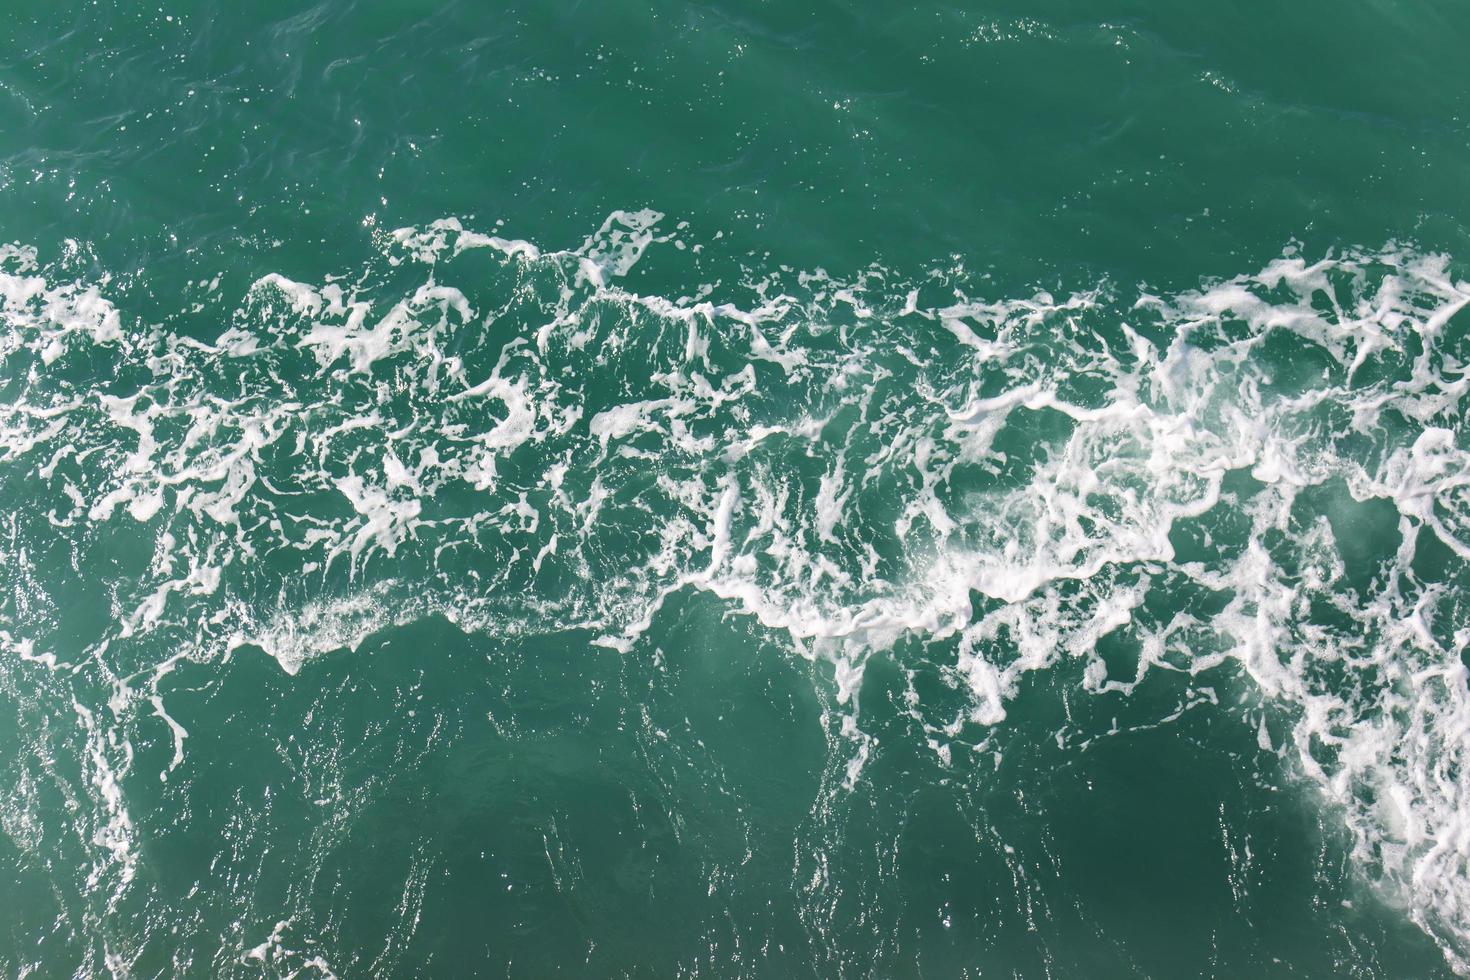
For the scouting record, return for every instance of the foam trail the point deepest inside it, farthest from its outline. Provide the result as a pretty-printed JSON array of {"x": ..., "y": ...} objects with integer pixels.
[{"x": 520, "y": 442}]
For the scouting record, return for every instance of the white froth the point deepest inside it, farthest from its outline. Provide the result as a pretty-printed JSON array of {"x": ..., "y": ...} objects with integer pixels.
[{"x": 836, "y": 459}]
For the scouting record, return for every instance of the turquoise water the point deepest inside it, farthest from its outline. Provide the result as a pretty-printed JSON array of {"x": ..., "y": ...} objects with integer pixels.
[{"x": 734, "y": 490}]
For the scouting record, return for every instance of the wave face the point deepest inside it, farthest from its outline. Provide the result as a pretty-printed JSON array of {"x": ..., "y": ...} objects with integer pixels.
[{"x": 1261, "y": 479}]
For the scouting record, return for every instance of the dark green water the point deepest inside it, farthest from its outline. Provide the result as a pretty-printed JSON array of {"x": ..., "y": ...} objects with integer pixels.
[{"x": 734, "y": 490}]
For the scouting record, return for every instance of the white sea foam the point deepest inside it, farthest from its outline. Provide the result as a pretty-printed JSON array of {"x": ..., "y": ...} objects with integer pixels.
[{"x": 848, "y": 462}]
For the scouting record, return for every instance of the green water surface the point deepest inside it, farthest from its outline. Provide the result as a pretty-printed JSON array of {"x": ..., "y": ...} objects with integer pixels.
[{"x": 456, "y": 798}]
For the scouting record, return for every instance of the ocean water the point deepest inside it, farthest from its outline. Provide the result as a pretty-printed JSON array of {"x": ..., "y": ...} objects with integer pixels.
[{"x": 735, "y": 489}]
